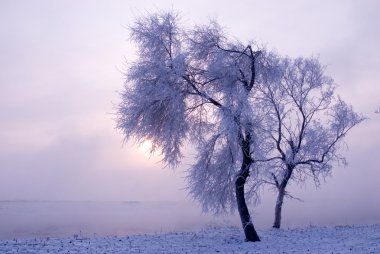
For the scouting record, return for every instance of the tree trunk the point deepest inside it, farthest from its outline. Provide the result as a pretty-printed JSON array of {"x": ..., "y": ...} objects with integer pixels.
[
  {"x": 278, "y": 208},
  {"x": 249, "y": 229},
  {"x": 241, "y": 178},
  {"x": 280, "y": 197}
]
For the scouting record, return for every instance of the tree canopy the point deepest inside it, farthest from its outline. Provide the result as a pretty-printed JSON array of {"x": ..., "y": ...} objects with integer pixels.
[{"x": 240, "y": 105}]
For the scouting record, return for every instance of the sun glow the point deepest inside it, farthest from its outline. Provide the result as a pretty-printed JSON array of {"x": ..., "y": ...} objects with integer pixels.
[{"x": 145, "y": 146}]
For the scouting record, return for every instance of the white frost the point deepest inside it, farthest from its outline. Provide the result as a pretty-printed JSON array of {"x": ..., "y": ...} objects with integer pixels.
[{"x": 343, "y": 239}]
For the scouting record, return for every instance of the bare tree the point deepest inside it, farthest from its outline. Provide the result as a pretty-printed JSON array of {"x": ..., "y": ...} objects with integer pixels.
[
  {"x": 304, "y": 124},
  {"x": 194, "y": 86}
]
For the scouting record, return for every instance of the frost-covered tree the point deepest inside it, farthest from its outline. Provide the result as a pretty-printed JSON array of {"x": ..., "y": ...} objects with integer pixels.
[
  {"x": 304, "y": 124},
  {"x": 246, "y": 111},
  {"x": 195, "y": 86}
]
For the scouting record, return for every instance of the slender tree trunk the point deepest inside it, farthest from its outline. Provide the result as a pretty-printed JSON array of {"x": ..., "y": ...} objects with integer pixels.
[
  {"x": 278, "y": 208},
  {"x": 280, "y": 197},
  {"x": 241, "y": 178}
]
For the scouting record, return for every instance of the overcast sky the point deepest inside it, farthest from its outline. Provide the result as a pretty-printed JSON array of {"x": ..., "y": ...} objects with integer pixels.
[{"x": 60, "y": 70}]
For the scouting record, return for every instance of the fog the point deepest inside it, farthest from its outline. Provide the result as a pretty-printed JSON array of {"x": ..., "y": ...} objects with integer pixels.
[
  {"x": 60, "y": 72},
  {"x": 25, "y": 219}
]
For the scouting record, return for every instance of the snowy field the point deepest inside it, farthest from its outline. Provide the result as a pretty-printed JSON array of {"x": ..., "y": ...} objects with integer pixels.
[{"x": 343, "y": 239}]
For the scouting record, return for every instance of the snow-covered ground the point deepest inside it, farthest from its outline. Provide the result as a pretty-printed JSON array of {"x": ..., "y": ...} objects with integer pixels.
[{"x": 343, "y": 239}]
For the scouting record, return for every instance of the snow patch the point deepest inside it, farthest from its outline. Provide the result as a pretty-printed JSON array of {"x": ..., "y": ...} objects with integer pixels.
[{"x": 342, "y": 239}]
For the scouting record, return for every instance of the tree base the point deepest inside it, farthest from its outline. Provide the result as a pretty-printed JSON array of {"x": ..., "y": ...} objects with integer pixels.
[{"x": 251, "y": 234}]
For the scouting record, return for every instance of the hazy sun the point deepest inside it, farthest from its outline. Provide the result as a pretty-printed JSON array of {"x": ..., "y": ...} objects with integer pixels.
[{"x": 146, "y": 146}]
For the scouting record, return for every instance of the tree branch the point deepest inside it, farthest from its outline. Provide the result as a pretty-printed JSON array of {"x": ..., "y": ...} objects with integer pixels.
[
  {"x": 276, "y": 181},
  {"x": 198, "y": 92}
]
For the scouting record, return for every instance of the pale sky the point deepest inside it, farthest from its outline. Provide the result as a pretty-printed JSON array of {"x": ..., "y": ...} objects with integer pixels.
[{"x": 60, "y": 71}]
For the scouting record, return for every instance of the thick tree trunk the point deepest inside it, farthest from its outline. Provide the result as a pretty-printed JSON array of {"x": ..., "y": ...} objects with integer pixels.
[
  {"x": 278, "y": 208},
  {"x": 241, "y": 178},
  {"x": 249, "y": 229}
]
